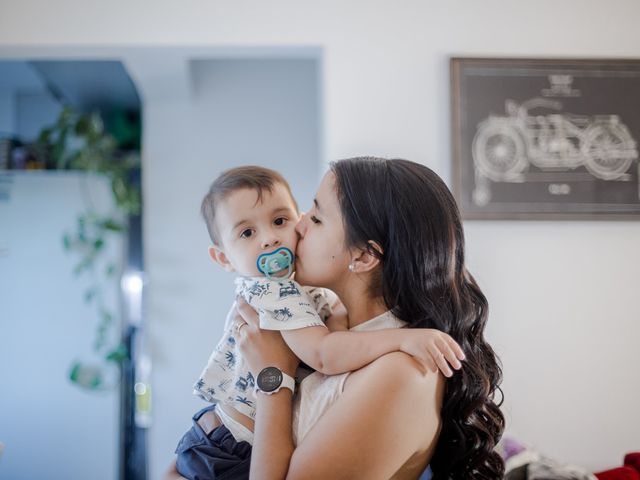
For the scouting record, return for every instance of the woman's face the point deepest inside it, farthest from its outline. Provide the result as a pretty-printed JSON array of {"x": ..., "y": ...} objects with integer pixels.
[{"x": 322, "y": 258}]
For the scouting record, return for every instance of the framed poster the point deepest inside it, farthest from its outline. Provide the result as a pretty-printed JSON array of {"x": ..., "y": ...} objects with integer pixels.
[{"x": 546, "y": 139}]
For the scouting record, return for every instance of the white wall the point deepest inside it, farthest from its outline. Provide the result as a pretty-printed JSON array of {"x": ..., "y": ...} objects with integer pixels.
[{"x": 564, "y": 314}]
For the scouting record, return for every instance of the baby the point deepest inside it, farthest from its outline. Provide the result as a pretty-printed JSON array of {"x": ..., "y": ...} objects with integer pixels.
[{"x": 251, "y": 217}]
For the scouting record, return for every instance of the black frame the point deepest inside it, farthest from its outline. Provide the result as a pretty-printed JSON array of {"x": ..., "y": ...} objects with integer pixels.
[{"x": 546, "y": 139}]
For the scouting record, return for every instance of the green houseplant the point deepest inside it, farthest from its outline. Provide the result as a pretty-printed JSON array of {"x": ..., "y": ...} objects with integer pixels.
[{"x": 79, "y": 141}]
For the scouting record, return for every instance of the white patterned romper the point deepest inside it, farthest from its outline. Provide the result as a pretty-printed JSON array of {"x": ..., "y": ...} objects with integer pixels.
[{"x": 281, "y": 305}]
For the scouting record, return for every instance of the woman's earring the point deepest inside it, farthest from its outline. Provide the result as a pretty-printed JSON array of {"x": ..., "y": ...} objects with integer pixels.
[{"x": 351, "y": 267}]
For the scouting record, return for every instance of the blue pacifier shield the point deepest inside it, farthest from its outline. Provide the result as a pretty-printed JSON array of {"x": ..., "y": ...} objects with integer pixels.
[{"x": 274, "y": 262}]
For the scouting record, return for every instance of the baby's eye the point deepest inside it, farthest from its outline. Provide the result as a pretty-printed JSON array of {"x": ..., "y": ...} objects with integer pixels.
[
  {"x": 280, "y": 221},
  {"x": 246, "y": 233},
  {"x": 314, "y": 219}
]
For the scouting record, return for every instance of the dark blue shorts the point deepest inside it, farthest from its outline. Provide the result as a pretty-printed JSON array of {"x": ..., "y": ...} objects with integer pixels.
[{"x": 216, "y": 455}]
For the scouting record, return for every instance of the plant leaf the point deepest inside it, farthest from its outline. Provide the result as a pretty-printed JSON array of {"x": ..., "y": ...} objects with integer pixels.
[
  {"x": 112, "y": 225},
  {"x": 118, "y": 354},
  {"x": 110, "y": 270},
  {"x": 90, "y": 294}
]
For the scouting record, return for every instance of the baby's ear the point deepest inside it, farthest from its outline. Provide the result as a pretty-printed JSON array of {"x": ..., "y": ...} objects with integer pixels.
[{"x": 218, "y": 256}]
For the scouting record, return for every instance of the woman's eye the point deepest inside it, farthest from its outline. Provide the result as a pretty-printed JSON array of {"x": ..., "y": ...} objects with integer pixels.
[
  {"x": 314, "y": 219},
  {"x": 246, "y": 233},
  {"x": 280, "y": 221}
]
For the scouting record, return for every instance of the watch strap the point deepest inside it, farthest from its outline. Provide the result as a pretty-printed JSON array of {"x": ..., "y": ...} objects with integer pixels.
[{"x": 288, "y": 382}]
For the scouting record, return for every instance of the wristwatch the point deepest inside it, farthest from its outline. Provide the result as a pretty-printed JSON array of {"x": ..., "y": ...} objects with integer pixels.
[{"x": 271, "y": 379}]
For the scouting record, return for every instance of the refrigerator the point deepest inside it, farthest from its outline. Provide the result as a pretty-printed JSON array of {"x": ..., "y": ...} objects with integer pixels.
[{"x": 50, "y": 427}]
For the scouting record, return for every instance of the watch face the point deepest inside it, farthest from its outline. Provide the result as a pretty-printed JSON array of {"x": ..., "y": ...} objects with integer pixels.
[{"x": 269, "y": 379}]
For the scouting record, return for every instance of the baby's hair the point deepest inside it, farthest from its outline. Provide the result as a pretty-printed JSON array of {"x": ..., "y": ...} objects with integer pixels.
[{"x": 250, "y": 176}]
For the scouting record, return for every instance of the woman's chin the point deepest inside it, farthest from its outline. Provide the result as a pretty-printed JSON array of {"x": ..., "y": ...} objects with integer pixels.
[
  {"x": 307, "y": 281},
  {"x": 299, "y": 275}
]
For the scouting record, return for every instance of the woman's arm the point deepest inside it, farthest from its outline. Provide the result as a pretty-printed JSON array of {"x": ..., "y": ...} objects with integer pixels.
[
  {"x": 266, "y": 348},
  {"x": 273, "y": 442}
]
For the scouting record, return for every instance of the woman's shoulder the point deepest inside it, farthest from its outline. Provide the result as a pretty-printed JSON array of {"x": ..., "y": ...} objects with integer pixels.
[{"x": 399, "y": 373}]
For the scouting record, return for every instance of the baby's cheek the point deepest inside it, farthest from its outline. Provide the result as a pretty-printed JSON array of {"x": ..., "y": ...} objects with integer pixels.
[{"x": 251, "y": 269}]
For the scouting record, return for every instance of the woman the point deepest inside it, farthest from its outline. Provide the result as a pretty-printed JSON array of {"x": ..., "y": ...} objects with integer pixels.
[{"x": 386, "y": 236}]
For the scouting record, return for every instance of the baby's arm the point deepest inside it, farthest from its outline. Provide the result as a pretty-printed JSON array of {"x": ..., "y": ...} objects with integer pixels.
[{"x": 344, "y": 351}]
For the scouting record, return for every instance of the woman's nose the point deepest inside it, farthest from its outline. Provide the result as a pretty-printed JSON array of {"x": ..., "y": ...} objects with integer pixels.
[{"x": 301, "y": 227}]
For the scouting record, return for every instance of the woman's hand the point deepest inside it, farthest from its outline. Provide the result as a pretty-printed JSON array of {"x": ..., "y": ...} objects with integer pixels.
[{"x": 261, "y": 348}]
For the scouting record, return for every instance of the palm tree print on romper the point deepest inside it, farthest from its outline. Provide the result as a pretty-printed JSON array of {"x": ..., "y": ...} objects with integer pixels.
[
  {"x": 244, "y": 400},
  {"x": 282, "y": 314},
  {"x": 231, "y": 359},
  {"x": 245, "y": 382}
]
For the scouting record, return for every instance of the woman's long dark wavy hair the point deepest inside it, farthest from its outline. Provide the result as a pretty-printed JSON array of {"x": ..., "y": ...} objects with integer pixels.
[{"x": 408, "y": 210}]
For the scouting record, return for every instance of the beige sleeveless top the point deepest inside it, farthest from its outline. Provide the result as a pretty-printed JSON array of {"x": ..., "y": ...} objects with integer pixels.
[{"x": 317, "y": 392}]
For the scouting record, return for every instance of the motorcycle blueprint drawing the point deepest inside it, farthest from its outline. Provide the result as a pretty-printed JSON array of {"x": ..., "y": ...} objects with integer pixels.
[{"x": 505, "y": 147}]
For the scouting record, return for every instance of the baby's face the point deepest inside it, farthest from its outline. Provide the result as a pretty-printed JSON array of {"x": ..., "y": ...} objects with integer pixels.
[{"x": 249, "y": 227}]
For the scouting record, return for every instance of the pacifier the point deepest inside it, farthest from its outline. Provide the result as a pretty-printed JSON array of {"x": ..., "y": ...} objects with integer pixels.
[{"x": 274, "y": 262}]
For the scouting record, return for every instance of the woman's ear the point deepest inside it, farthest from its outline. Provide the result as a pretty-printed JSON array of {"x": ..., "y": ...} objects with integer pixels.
[
  {"x": 366, "y": 259},
  {"x": 219, "y": 257}
]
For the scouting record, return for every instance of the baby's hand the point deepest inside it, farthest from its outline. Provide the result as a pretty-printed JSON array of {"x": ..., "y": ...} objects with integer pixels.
[{"x": 434, "y": 349}]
